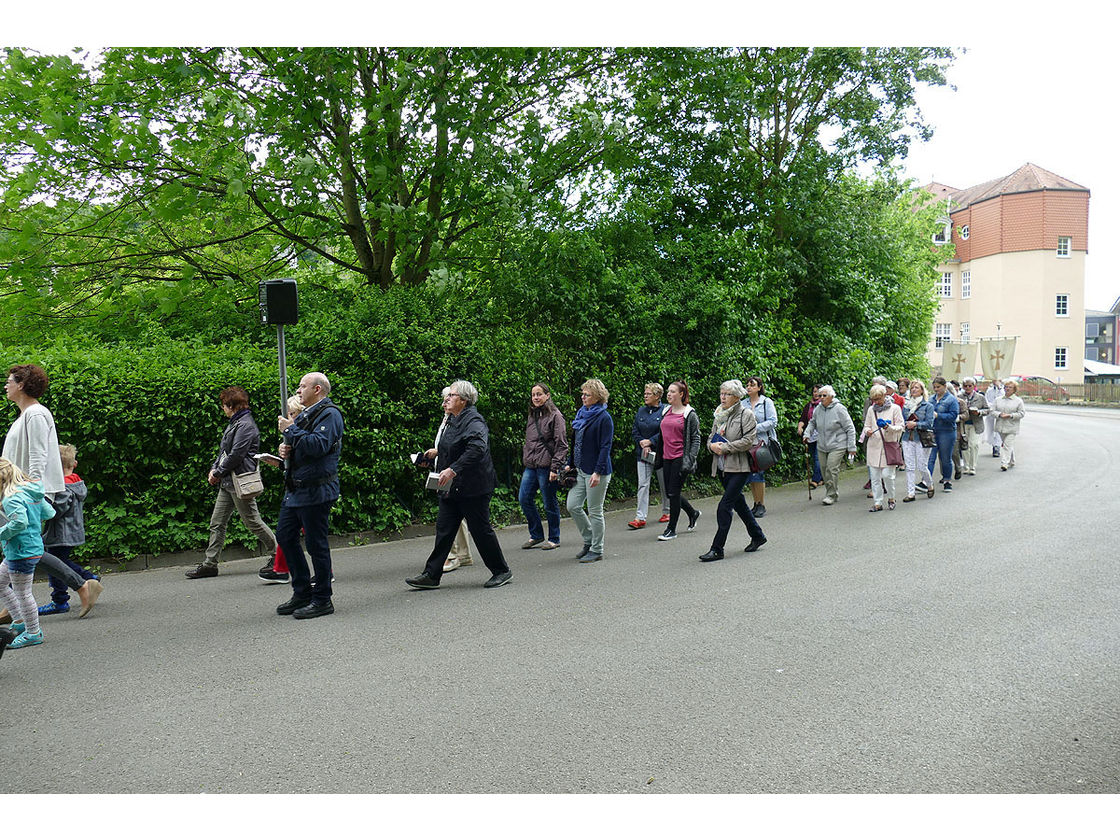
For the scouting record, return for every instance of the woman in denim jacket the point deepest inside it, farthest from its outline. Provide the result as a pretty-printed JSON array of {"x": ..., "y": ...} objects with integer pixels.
[
  {"x": 918, "y": 414},
  {"x": 766, "y": 419}
]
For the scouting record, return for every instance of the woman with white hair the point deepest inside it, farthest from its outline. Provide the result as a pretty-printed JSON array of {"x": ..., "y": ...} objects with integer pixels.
[
  {"x": 466, "y": 484},
  {"x": 730, "y": 442},
  {"x": 836, "y": 435},
  {"x": 882, "y": 424},
  {"x": 1009, "y": 410}
]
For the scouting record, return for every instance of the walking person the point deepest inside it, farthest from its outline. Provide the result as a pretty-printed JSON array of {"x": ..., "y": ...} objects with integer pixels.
[
  {"x": 66, "y": 530},
  {"x": 730, "y": 442},
  {"x": 919, "y": 416},
  {"x": 680, "y": 447},
  {"x": 466, "y": 485},
  {"x": 240, "y": 443},
  {"x": 276, "y": 569},
  {"x": 806, "y": 415},
  {"x": 543, "y": 455},
  {"x": 836, "y": 434},
  {"x": 593, "y": 430},
  {"x": 946, "y": 409},
  {"x": 881, "y": 424},
  {"x": 1009, "y": 410},
  {"x": 460, "y": 553},
  {"x": 32, "y": 446},
  {"x": 647, "y": 441},
  {"x": 974, "y": 408},
  {"x": 311, "y": 450},
  {"x": 767, "y": 429},
  {"x": 25, "y": 509},
  {"x": 991, "y": 436}
]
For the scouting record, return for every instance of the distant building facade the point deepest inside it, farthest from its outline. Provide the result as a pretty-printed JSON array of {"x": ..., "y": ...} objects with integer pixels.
[
  {"x": 1100, "y": 334},
  {"x": 1018, "y": 270}
]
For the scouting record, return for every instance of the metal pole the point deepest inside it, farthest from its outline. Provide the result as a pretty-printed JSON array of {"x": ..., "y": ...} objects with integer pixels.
[{"x": 283, "y": 370}]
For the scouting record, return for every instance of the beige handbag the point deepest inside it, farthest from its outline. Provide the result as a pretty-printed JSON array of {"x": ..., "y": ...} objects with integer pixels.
[{"x": 249, "y": 485}]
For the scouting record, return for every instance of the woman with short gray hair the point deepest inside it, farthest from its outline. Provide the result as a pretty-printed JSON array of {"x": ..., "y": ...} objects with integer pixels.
[{"x": 836, "y": 434}]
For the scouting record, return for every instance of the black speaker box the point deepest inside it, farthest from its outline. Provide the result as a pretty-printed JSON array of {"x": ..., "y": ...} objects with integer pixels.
[{"x": 279, "y": 301}]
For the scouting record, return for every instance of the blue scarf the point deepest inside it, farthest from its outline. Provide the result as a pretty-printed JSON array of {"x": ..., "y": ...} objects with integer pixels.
[{"x": 586, "y": 414}]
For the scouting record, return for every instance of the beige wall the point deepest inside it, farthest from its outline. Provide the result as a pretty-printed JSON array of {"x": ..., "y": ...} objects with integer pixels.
[{"x": 1019, "y": 291}]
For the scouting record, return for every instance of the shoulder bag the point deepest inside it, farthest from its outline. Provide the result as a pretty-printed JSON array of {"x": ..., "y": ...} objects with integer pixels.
[
  {"x": 248, "y": 485},
  {"x": 893, "y": 450}
]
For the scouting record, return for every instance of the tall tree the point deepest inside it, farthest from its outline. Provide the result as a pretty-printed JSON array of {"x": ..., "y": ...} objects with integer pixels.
[{"x": 135, "y": 165}]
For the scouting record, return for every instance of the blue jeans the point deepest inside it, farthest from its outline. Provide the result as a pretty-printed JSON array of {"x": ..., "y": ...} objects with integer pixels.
[
  {"x": 60, "y": 589},
  {"x": 314, "y": 521},
  {"x": 531, "y": 479},
  {"x": 946, "y": 441},
  {"x": 817, "y": 477}
]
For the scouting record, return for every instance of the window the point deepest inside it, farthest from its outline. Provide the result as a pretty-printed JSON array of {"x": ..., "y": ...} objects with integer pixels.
[
  {"x": 947, "y": 284},
  {"x": 941, "y": 334},
  {"x": 964, "y": 231},
  {"x": 966, "y": 332},
  {"x": 1059, "y": 358},
  {"x": 945, "y": 234},
  {"x": 1061, "y": 306},
  {"x": 1092, "y": 331},
  {"x": 966, "y": 284},
  {"x": 1065, "y": 245}
]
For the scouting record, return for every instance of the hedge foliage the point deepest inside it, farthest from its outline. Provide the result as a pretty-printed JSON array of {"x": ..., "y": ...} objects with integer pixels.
[{"x": 620, "y": 303}]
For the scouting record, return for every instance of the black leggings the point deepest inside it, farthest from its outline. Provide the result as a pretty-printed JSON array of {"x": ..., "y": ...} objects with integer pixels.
[{"x": 674, "y": 484}]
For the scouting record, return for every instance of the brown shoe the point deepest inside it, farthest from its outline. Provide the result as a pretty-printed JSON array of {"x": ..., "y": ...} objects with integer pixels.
[
  {"x": 5, "y": 616},
  {"x": 89, "y": 593},
  {"x": 202, "y": 571}
]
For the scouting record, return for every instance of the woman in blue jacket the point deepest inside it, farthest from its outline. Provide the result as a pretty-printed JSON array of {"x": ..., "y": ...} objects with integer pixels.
[
  {"x": 593, "y": 431},
  {"x": 918, "y": 414},
  {"x": 766, "y": 417},
  {"x": 947, "y": 409},
  {"x": 647, "y": 440}
]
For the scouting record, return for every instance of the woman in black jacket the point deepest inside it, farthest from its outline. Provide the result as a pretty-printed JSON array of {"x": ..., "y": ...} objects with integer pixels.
[
  {"x": 465, "y": 487},
  {"x": 240, "y": 443}
]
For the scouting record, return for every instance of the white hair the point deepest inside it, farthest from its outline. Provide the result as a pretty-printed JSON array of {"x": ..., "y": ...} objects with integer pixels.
[
  {"x": 826, "y": 391},
  {"x": 465, "y": 390},
  {"x": 734, "y": 386}
]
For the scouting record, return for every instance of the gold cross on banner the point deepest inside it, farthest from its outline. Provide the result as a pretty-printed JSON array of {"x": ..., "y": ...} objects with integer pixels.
[
  {"x": 959, "y": 360},
  {"x": 996, "y": 358}
]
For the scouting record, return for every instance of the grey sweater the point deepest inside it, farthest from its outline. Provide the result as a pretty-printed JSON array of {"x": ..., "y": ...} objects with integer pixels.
[{"x": 834, "y": 426}]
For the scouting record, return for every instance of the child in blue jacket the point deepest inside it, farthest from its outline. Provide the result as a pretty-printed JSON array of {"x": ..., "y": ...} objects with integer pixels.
[{"x": 24, "y": 511}]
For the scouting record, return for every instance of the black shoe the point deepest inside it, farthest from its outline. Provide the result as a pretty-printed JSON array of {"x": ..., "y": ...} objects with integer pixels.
[
  {"x": 6, "y": 637},
  {"x": 692, "y": 520},
  {"x": 269, "y": 576},
  {"x": 498, "y": 580},
  {"x": 948, "y": 488},
  {"x": 995, "y": 451},
  {"x": 291, "y": 605},
  {"x": 202, "y": 571},
  {"x": 591, "y": 557},
  {"x": 921, "y": 485},
  {"x": 758, "y": 511},
  {"x": 755, "y": 545},
  {"x": 667, "y": 535},
  {"x": 585, "y": 552},
  {"x": 314, "y": 610},
  {"x": 710, "y": 555},
  {"x": 422, "y": 581},
  {"x": 956, "y": 475}
]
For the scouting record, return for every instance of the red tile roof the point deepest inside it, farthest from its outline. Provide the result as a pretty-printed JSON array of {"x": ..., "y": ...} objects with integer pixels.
[{"x": 1027, "y": 178}]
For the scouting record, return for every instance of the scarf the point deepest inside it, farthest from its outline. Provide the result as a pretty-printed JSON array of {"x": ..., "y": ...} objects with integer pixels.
[
  {"x": 722, "y": 415},
  {"x": 586, "y": 414}
]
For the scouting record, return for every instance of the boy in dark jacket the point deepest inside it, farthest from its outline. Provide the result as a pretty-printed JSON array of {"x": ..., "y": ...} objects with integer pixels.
[{"x": 67, "y": 530}]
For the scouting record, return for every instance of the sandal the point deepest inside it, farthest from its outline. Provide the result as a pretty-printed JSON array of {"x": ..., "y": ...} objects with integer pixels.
[
  {"x": 908, "y": 499},
  {"x": 875, "y": 509},
  {"x": 890, "y": 504}
]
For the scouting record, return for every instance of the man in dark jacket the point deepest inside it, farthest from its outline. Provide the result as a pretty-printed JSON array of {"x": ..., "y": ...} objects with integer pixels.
[
  {"x": 465, "y": 488},
  {"x": 311, "y": 449}
]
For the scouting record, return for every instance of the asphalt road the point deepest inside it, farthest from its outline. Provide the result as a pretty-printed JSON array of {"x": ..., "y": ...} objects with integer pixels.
[{"x": 965, "y": 644}]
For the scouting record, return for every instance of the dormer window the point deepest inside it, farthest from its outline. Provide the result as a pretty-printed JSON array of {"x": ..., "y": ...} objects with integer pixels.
[
  {"x": 946, "y": 233},
  {"x": 964, "y": 232}
]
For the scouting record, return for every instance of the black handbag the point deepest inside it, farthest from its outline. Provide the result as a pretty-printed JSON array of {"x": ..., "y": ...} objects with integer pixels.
[
  {"x": 764, "y": 455},
  {"x": 567, "y": 477}
]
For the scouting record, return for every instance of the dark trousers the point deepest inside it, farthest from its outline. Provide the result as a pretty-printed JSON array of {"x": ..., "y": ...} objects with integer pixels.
[
  {"x": 732, "y": 500},
  {"x": 314, "y": 520},
  {"x": 60, "y": 589},
  {"x": 476, "y": 511},
  {"x": 674, "y": 484}
]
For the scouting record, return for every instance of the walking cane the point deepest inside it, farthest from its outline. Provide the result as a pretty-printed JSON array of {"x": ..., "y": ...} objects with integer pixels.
[{"x": 809, "y": 470}]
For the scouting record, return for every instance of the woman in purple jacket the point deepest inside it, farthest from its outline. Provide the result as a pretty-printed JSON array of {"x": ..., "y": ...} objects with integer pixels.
[{"x": 544, "y": 455}]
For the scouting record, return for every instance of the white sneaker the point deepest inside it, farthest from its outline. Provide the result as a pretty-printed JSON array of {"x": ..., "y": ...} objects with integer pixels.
[
  {"x": 548, "y": 545},
  {"x": 828, "y": 501},
  {"x": 451, "y": 564}
]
